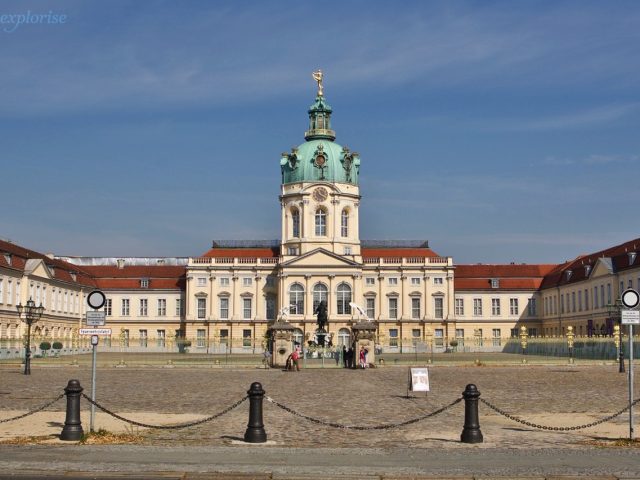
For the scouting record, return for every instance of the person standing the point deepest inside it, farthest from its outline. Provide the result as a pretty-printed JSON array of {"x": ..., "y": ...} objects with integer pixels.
[
  {"x": 295, "y": 356},
  {"x": 362, "y": 358},
  {"x": 344, "y": 355}
]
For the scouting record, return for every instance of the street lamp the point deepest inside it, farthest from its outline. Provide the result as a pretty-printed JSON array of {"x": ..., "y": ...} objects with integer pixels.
[
  {"x": 613, "y": 309},
  {"x": 524, "y": 334},
  {"x": 31, "y": 315},
  {"x": 570, "y": 337}
]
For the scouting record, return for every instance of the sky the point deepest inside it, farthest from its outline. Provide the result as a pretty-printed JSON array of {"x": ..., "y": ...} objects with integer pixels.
[{"x": 498, "y": 131}]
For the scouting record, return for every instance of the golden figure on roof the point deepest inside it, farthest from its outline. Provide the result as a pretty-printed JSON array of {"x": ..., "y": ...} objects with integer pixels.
[{"x": 317, "y": 76}]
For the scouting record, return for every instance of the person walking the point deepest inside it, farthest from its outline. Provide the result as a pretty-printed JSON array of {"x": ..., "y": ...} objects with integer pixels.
[{"x": 363, "y": 360}]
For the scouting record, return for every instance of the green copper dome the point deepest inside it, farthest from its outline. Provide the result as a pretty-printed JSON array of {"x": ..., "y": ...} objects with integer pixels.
[{"x": 320, "y": 158}]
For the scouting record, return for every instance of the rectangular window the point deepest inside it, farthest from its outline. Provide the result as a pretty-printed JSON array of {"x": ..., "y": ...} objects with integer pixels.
[
  {"x": 125, "y": 337},
  {"x": 415, "y": 281},
  {"x": 459, "y": 307},
  {"x": 393, "y": 307},
  {"x": 573, "y": 301},
  {"x": 271, "y": 307},
  {"x": 143, "y": 338},
  {"x": 224, "y": 281},
  {"x": 532, "y": 307},
  {"x": 202, "y": 307},
  {"x": 513, "y": 306},
  {"x": 495, "y": 283},
  {"x": 247, "y": 281},
  {"x": 201, "y": 338},
  {"x": 224, "y": 308},
  {"x": 108, "y": 307},
  {"x": 1, "y": 290},
  {"x": 162, "y": 307},
  {"x": 347, "y": 250},
  {"x": 586, "y": 299},
  {"x": 246, "y": 337},
  {"x": 415, "y": 336},
  {"x": 608, "y": 293},
  {"x": 495, "y": 306},
  {"x": 371, "y": 308},
  {"x": 178, "y": 307},
  {"x": 224, "y": 336},
  {"x": 246, "y": 308},
  {"x": 10, "y": 292},
  {"x": 202, "y": 282},
  {"x": 595, "y": 297},
  {"x": 393, "y": 281},
  {"x": 438, "y": 307},
  {"x": 579, "y": 300},
  {"x": 144, "y": 283},
  {"x": 496, "y": 337},
  {"x": 143, "y": 307},
  {"x": 438, "y": 281},
  {"x": 439, "y": 336},
  {"x": 415, "y": 308},
  {"x": 393, "y": 337},
  {"x": 477, "y": 307},
  {"x": 602, "y": 302},
  {"x": 562, "y": 303},
  {"x": 369, "y": 281},
  {"x": 161, "y": 337},
  {"x": 124, "y": 311}
]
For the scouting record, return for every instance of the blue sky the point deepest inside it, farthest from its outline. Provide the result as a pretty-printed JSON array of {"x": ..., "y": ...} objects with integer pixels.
[{"x": 499, "y": 131}]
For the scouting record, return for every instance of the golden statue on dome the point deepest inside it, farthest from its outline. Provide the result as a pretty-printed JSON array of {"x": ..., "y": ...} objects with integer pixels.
[{"x": 317, "y": 76}]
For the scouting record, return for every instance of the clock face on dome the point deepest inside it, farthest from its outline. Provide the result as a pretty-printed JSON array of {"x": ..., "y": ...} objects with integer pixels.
[{"x": 320, "y": 194}]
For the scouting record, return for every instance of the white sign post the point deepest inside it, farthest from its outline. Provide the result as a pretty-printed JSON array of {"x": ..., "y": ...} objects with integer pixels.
[
  {"x": 630, "y": 299},
  {"x": 96, "y": 299}
]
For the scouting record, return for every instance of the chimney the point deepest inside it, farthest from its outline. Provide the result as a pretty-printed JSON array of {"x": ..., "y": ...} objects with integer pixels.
[{"x": 121, "y": 263}]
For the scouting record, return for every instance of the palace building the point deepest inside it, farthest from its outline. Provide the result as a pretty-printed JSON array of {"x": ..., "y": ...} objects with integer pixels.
[{"x": 225, "y": 299}]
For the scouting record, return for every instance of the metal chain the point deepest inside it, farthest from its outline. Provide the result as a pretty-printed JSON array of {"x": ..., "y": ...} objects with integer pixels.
[
  {"x": 165, "y": 427},
  {"x": 358, "y": 427},
  {"x": 558, "y": 429},
  {"x": 33, "y": 411}
]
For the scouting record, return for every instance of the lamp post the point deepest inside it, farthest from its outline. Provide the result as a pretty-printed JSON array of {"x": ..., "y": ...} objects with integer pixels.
[
  {"x": 524, "y": 334},
  {"x": 31, "y": 315},
  {"x": 613, "y": 309},
  {"x": 570, "y": 337}
]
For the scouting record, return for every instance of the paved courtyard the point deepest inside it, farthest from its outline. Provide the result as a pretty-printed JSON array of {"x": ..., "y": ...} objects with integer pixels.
[{"x": 560, "y": 395}]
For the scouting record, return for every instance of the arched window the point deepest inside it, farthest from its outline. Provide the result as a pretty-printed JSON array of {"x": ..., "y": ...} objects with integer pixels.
[
  {"x": 344, "y": 298},
  {"x": 343, "y": 337},
  {"x": 320, "y": 293},
  {"x": 344, "y": 223},
  {"x": 321, "y": 223},
  {"x": 296, "y": 299},
  {"x": 295, "y": 223},
  {"x": 297, "y": 336}
]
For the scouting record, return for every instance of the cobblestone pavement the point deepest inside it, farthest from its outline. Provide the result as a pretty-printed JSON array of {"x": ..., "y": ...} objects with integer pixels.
[{"x": 554, "y": 395}]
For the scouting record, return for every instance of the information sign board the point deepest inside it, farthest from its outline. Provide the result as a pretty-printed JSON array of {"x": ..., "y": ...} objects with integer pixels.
[
  {"x": 95, "y": 319},
  {"x": 94, "y": 331},
  {"x": 631, "y": 317}
]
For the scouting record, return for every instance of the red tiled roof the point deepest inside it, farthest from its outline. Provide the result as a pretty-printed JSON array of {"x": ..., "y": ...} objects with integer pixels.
[
  {"x": 110, "y": 277},
  {"x": 503, "y": 271},
  {"x": 619, "y": 259},
  {"x": 511, "y": 277},
  {"x": 134, "y": 283},
  {"x": 62, "y": 270},
  {"x": 398, "y": 252},
  {"x": 243, "y": 252}
]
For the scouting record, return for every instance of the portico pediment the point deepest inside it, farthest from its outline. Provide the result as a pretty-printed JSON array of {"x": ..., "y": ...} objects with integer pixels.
[{"x": 320, "y": 258}]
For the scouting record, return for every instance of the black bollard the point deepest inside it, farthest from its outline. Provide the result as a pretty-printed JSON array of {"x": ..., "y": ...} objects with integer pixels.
[
  {"x": 255, "y": 428},
  {"x": 72, "y": 425},
  {"x": 471, "y": 432}
]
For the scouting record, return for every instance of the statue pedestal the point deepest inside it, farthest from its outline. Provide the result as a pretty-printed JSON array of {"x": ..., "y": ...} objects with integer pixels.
[
  {"x": 364, "y": 334},
  {"x": 281, "y": 343}
]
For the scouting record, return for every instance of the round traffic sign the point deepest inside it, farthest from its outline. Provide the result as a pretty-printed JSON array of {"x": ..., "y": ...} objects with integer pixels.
[
  {"x": 96, "y": 299},
  {"x": 630, "y": 298}
]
